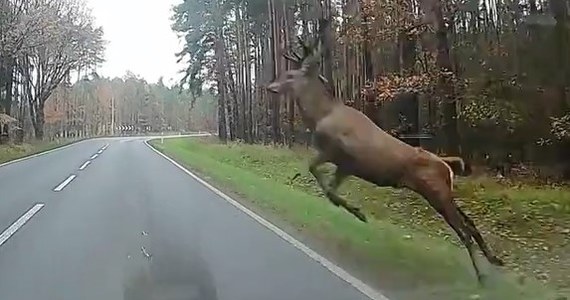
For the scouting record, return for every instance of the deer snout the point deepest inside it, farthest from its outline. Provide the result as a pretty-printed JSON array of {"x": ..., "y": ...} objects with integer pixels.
[{"x": 273, "y": 87}]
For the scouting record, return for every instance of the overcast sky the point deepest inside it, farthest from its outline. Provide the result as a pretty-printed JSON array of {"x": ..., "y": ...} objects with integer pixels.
[{"x": 139, "y": 38}]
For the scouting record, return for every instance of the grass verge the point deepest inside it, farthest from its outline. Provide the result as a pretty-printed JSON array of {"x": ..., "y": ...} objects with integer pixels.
[
  {"x": 405, "y": 250},
  {"x": 11, "y": 152}
]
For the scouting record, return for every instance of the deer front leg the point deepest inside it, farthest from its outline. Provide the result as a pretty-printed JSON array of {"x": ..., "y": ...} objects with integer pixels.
[
  {"x": 330, "y": 192},
  {"x": 313, "y": 168},
  {"x": 337, "y": 200}
]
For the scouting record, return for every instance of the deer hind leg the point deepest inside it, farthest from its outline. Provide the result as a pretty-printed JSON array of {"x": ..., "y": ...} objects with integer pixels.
[
  {"x": 479, "y": 239},
  {"x": 442, "y": 202},
  {"x": 453, "y": 219}
]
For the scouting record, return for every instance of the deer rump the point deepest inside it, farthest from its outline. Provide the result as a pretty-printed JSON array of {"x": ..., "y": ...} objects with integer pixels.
[{"x": 358, "y": 147}]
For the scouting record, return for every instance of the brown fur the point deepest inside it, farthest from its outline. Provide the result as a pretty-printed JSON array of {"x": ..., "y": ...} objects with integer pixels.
[{"x": 347, "y": 138}]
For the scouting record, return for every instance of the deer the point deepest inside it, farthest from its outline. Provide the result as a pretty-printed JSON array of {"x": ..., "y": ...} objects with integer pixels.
[{"x": 348, "y": 139}]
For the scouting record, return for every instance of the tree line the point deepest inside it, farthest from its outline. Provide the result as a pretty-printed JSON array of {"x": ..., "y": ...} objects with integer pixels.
[
  {"x": 96, "y": 106},
  {"x": 488, "y": 77},
  {"x": 49, "y": 54},
  {"x": 42, "y": 43}
]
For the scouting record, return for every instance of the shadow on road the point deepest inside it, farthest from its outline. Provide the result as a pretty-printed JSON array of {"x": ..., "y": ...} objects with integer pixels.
[{"x": 169, "y": 270}]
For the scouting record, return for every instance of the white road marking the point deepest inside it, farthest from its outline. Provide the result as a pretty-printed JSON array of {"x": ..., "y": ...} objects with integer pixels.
[
  {"x": 62, "y": 185},
  {"x": 84, "y": 165},
  {"x": 94, "y": 156},
  {"x": 19, "y": 223},
  {"x": 105, "y": 147},
  {"x": 100, "y": 151},
  {"x": 46, "y": 152},
  {"x": 338, "y": 271}
]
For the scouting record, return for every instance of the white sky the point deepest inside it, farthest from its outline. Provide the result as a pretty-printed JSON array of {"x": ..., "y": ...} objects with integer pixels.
[{"x": 139, "y": 38}]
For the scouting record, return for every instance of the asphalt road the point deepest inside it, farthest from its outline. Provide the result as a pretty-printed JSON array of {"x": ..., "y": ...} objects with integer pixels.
[{"x": 131, "y": 225}]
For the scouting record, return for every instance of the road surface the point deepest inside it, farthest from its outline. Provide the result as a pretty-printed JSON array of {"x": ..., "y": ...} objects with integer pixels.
[{"x": 111, "y": 219}]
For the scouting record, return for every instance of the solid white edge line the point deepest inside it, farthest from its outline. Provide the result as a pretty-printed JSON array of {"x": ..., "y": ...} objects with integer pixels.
[
  {"x": 45, "y": 152},
  {"x": 338, "y": 271},
  {"x": 84, "y": 165},
  {"x": 62, "y": 185},
  {"x": 94, "y": 156},
  {"x": 19, "y": 223}
]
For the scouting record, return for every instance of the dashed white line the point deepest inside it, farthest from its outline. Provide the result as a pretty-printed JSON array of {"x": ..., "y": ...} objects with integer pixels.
[
  {"x": 19, "y": 223},
  {"x": 94, "y": 156},
  {"x": 105, "y": 147},
  {"x": 83, "y": 166},
  {"x": 100, "y": 151},
  {"x": 62, "y": 185}
]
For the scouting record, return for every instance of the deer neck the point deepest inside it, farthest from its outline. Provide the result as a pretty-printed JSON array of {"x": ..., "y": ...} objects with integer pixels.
[{"x": 314, "y": 104}]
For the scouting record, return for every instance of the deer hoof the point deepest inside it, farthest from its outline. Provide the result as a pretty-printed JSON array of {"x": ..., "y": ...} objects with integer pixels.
[
  {"x": 496, "y": 261},
  {"x": 359, "y": 215}
]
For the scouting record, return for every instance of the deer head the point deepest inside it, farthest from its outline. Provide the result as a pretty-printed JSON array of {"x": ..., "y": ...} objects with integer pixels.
[
  {"x": 295, "y": 80},
  {"x": 306, "y": 70}
]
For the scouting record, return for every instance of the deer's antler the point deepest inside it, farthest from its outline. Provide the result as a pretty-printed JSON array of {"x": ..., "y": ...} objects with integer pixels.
[
  {"x": 293, "y": 58},
  {"x": 297, "y": 59}
]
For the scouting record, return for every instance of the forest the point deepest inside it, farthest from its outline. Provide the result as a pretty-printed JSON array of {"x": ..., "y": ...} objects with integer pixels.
[
  {"x": 487, "y": 80},
  {"x": 49, "y": 87}
]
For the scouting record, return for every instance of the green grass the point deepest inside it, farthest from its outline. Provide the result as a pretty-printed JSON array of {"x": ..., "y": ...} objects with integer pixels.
[
  {"x": 405, "y": 249},
  {"x": 11, "y": 152}
]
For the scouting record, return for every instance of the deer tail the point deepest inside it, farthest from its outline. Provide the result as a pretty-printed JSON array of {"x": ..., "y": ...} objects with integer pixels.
[{"x": 457, "y": 164}]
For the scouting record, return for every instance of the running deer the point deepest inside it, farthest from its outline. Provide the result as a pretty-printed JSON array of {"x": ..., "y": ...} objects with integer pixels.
[{"x": 357, "y": 147}]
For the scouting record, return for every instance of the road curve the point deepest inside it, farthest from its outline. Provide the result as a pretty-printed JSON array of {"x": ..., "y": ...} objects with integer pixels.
[{"x": 131, "y": 225}]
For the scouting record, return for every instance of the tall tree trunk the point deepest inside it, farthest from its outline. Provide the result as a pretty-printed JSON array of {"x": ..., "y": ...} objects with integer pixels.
[
  {"x": 561, "y": 33},
  {"x": 8, "y": 77},
  {"x": 241, "y": 48},
  {"x": 38, "y": 118},
  {"x": 406, "y": 54},
  {"x": 6, "y": 103},
  {"x": 247, "y": 75},
  {"x": 257, "y": 114},
  {"x": 328, "y": 43},
  {"x": 368, "y": 67},
  {"x": 275, "y": 18},
  {"x": 221, "y": 74},
  {"x": 268, "y": 74},
  {"x": 233, "y": 113},
  {"x": 289, "y": 24}
]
